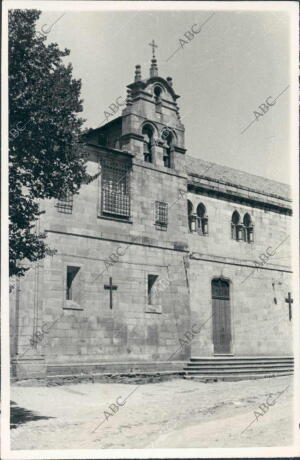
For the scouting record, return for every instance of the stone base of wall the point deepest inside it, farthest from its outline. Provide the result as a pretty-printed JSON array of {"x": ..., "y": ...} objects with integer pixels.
[
  {"x": 130, "y": 367},
  {"x": 28, "y": 367},
  {"x": 130, "y": 372},
  {"x": 138, "y": 378}
]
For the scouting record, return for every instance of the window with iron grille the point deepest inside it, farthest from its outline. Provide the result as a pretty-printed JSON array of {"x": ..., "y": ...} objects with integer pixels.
[
  {"x": 65, "y": 203},
  {"x": 115, "y": 196},
  {"x": 161, "y": 213}
]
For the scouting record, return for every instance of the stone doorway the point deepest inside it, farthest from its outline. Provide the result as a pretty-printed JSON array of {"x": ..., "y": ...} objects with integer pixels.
[{"x": 221, "y": 316}]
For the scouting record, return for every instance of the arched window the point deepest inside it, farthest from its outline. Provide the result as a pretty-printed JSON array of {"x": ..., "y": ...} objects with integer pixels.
[
  {"x": 148, "y": 143},
  {"x": 202, "y": 220},
  {"x": 168, "y": 151},
  {"x": 157, "y": 98},
  {"x": 236, "y": 228},
  {"x": 191, "y": 218},
  {"x": 248, "y": 228}
]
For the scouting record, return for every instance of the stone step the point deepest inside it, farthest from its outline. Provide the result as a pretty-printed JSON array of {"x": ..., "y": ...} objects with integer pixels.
[
  {"x": 240, "y": 363},
  {"x": 232, "y": 377},
  {"x": 236, "y": 365},
  {"x": 234, "y": 371},
  {"x": 243, "y": 358},
  {"x": 228, "y": 355},
  {"x": 238, "y": 368}
]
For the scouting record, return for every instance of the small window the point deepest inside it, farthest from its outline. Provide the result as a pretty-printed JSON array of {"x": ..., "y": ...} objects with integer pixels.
[
  {"x": 152, "y": 290},
  {"x": 65, "y": 203},
  {"x": 235, "y": 226},
  {"x": 202, "y": 220},
  {"x": 248, "y": 228},
  {"x": 241, "y": 231},
  {"x": 157, "y": 98},
  {"x": 72, "y": 291},
  {"x": 157, "y": 92},
  {"x": 161, "y": 214}
]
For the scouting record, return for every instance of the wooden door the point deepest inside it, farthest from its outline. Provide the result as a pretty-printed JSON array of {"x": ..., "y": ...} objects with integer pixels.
[{"x": 221, "y": 316}]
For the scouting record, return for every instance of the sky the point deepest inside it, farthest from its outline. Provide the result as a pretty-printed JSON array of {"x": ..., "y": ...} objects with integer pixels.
[{"x": 237, "y": 61}]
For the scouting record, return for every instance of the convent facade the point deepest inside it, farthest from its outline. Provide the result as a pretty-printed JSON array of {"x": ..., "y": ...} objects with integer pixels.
[{"x": 162, "y": 258}]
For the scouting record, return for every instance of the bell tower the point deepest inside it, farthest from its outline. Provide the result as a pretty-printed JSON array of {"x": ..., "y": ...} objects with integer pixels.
[
  {"x": 142, "y": 153},
  {"x": 151, "y": 126}
]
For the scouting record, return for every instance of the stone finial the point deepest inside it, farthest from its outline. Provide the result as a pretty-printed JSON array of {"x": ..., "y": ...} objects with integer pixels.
[
  {"x": 138, "y": 74},
  {"x": 129, "y": 97},
  {"x": 153, "y": 68}
]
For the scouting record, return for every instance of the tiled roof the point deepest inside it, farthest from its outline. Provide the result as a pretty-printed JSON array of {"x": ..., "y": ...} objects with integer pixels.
[{"x": 224, "y": 174}]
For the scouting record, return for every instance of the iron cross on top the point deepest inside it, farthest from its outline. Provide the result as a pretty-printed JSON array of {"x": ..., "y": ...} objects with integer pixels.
[{"x": 153, "y": 46}]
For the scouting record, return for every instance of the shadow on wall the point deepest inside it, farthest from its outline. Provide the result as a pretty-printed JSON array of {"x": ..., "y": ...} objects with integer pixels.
[{"x": 19, "y": 416}]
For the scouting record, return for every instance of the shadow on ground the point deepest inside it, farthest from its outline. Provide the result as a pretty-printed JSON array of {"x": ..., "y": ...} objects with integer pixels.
[{"x": 19, "y": 416}]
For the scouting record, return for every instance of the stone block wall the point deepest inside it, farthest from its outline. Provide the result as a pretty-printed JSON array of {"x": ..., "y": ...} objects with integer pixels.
[
  {"x": 86, "y": 329},
  {"x": 260, "y": 326},
  {"x": 148, "y": 184},
  {"x": 89, "y": 330},
  {"x": 270, "y": 230},
  {"x": 260, "y": 322}
]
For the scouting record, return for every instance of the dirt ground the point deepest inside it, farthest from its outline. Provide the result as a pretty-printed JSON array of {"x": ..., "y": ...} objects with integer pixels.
[{"x": 176, "y": 413}]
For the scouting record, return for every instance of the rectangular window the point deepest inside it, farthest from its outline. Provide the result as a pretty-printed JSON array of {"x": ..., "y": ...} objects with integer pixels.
[
  {"x": 152, "y": 290},
  {"x": 72, "y": 283},
  {"x": 65, "y": 203},
  {"x": 115, "y": 196},
  {"x": 161, "y": 214}
]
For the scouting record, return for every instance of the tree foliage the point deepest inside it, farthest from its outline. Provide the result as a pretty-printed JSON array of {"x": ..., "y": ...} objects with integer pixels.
[{"x": 45, "y": 157}]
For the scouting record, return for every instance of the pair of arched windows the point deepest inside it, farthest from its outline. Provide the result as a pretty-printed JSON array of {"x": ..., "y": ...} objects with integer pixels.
[
  {"x": 198, "y": 222},
  {"x": 149, "y": 143},
  {"x": 242, "y": 230}
]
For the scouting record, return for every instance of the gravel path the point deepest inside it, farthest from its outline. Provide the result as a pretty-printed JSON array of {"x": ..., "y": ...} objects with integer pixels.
[{"x": 176, "y": 413}]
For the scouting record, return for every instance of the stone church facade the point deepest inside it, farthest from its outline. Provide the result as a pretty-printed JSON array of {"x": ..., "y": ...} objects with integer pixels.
[{"x": 162, "y": 258}]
